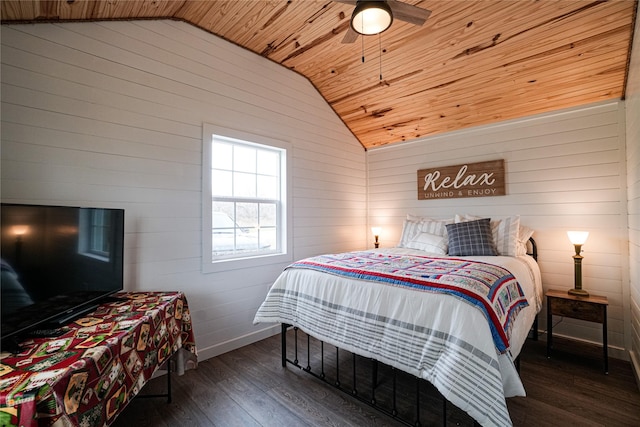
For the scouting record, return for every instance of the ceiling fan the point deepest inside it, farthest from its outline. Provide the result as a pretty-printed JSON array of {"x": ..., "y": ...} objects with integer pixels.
[{"x": 375, "y": 16}]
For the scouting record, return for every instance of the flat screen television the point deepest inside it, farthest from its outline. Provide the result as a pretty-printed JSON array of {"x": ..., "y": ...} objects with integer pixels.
[{"x": 58, "y": 262}]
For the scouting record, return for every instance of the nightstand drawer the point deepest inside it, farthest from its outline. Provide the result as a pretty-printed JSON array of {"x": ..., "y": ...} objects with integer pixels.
[{"x": 577, "y": 310}]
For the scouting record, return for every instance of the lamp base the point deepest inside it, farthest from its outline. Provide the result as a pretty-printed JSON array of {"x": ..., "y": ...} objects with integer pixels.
[{"x": 578, "y": 292}]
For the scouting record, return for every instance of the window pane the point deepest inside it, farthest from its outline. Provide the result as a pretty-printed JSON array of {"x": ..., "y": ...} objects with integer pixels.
[
  {"x": 268, "y": 225},
  {"x": 246, "y": 241},
  {"x": 221, "y": 183},
  {"x": 247, "y": 215},
  {"x": 268, "y": 187},
  {"x": 268, "y": 163},
  {"x": 223, "y": 214},
  {"x": 244, "y": 159},
  {"x": 268, "y": 238},
  {"x": 221, "y": 155},
  {"x": 224, "y": 229},
  {"x": 244, "y": 185},
  {"x": 268, "y": 215}
]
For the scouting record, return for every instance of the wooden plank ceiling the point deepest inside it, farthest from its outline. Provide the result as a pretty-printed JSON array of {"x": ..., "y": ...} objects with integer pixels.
[{"x": 473, "y": 62}]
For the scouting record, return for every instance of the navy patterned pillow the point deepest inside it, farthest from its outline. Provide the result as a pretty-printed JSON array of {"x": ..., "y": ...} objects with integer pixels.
[{"x": 471, "y": 238}]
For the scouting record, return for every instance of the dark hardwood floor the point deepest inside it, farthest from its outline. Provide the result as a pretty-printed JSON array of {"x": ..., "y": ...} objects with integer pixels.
[{"x": 248, "y": 387}]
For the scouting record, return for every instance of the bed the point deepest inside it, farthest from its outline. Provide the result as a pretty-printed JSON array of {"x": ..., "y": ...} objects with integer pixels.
[{"x": 454, "y": 317}]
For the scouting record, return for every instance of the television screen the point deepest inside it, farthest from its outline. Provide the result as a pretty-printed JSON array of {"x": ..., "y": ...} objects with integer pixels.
[{"x": 57, "y": 261}]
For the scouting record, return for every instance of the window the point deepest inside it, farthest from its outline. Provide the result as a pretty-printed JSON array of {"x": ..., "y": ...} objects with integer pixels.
[{"x": 244, "y": 198}]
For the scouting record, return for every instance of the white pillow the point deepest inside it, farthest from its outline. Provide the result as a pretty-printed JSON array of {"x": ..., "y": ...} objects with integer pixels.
[
  {"x": 416, "y": 224},
  {"x": 432, "y": 243},
  {"x": 410, "y": 229},
  {"x": 505, "y": 235},
  {"x": 523, "y": 238},
  {"x": 436, "y": 226},
  {"x": 505, "y": 232}
]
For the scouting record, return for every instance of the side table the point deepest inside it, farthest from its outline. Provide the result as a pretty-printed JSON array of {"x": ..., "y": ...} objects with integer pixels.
[
  {"x": 592, "y": 308},
  {"x": 88, "y": 374}
]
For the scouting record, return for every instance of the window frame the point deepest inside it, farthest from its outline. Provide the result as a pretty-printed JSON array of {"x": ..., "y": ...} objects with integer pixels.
[{"x": 211, "y": 265}]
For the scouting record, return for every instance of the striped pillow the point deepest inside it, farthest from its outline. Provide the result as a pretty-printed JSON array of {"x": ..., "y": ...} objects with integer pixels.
[
  {"x": 435, "y": 226},
  {"x": 523, "y": 238},
  {"x": 414, "y": 225},
  {"x": 410, "y": 229}
]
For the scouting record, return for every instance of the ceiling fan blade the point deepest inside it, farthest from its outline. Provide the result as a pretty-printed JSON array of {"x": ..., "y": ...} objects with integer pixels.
[
  {"x": 351, "y": 36},
  {"x": 408, "y": 13}
]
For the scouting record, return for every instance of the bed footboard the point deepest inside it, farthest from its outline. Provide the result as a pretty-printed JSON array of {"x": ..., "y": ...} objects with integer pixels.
[{"x": 406, "y": 398}]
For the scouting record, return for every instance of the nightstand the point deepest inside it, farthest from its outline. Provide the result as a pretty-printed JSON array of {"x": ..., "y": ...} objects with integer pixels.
[{"x": 592, "y": 308}]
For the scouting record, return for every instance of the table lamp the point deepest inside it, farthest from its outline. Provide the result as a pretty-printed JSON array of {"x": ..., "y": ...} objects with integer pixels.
[
  {"x": 376, "y": 235},
  {"x": 578, "y": 238}
]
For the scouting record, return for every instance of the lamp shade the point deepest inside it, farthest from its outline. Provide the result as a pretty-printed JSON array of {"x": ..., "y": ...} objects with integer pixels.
[
  {"x": 371, "y": 17},
  {"x": 376, "y": 231},
  {"x": 578, "y": 237}
]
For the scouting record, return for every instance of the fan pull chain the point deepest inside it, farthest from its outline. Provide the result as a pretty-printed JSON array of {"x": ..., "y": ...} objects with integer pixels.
[
  {"x": 362, "y": 37},
  {"x": 380, "y": 48}
]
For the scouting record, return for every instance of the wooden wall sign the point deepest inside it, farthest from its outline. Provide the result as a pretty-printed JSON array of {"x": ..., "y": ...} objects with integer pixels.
[{"x": 482, "y": 179}]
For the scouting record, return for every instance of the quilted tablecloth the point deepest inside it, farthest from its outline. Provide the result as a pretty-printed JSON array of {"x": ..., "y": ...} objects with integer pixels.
[{"x": 87, "y": 375}]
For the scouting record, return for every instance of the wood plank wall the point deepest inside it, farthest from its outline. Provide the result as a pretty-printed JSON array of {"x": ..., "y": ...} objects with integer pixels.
[
  {"x": 633, "y": 191},
  {"x": 110, "y": 114},
  {"x": 563, "y": 171}
]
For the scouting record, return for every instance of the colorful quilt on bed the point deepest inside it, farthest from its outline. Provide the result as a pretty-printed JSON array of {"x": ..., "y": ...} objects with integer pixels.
[{"x": 490, "y": 288}]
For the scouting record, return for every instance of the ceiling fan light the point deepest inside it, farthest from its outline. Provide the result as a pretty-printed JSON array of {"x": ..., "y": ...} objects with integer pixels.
[{"x": 371, "y": 17}]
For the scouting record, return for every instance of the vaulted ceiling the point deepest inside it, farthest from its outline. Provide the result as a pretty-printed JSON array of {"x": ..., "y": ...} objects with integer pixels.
[{"x": 473, "y": 62}]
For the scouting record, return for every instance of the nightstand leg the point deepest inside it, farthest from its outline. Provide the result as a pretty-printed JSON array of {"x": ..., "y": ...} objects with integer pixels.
[
  {"x": 549, "y": 328},
  {"x": 605, "y": 345}
]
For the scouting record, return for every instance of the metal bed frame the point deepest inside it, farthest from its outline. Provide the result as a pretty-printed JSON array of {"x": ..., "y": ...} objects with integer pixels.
[
  {"x": 352, "y": 387},
  {"x": 369, "y": 398}
]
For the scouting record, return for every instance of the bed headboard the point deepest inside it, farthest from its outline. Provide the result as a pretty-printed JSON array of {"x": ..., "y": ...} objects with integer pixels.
[{"x": 534, "y": 249}]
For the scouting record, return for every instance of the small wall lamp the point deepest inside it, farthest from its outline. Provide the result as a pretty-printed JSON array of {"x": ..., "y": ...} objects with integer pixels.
[
  {"x": 376, "y": 234},
  {"x": 578, "y": 238}
]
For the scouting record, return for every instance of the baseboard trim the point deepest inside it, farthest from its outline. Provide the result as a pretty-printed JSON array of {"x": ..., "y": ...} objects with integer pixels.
[
  {"x": 615, "y": 352},
  {"x": 236, "y": 343}
]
